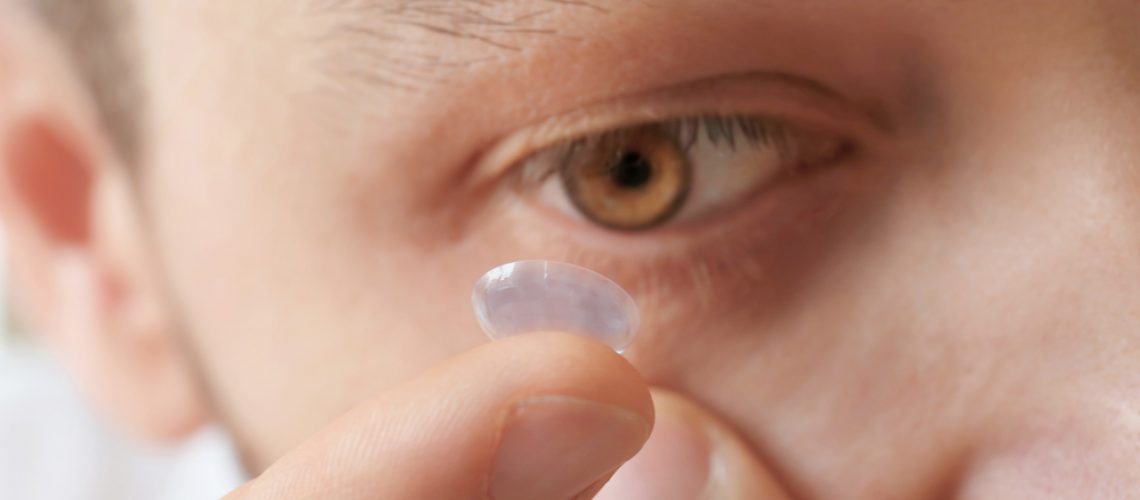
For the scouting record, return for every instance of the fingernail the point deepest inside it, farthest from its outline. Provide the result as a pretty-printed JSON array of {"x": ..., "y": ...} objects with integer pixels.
[
  {"x": 556, "y": 447},
  {"x": 673, "y": 465}
]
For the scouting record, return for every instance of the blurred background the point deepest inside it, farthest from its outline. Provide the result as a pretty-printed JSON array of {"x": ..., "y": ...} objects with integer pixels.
[{"x": 53, "y": 447}]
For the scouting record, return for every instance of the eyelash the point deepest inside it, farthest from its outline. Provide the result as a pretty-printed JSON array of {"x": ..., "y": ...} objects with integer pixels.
[
  {"x": 757, "y": 132},
  {"x": 719, "y": 129}
]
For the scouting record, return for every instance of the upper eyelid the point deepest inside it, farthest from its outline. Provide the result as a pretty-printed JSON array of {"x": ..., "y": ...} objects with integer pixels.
[
  {"x": 687, "y": 131},
  {"x": 776, "y": 96}
]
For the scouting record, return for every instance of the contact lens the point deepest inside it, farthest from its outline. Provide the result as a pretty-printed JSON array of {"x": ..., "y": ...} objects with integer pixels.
[{"x": 538, "y": 295}]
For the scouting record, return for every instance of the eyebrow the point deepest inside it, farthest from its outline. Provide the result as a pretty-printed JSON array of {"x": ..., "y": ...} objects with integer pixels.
[{"x": 396, "y": 43}]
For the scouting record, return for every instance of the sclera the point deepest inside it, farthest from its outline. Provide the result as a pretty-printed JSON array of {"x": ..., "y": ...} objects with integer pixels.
[{"x": 538, "y": 295}]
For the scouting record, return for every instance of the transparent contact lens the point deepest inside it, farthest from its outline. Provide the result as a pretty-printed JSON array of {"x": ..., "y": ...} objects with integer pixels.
[{"x": 538, "y": 295}]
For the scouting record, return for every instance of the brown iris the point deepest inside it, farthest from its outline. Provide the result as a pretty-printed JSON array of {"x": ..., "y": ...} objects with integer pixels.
[{"x": 632, "y": 180}]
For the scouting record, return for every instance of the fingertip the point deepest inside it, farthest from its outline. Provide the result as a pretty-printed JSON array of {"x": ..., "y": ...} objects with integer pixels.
[{"x": 568, "y": 364}]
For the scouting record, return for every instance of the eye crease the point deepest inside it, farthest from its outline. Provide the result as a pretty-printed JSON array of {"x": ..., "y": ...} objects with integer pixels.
[{"x": 645, "y": 176}]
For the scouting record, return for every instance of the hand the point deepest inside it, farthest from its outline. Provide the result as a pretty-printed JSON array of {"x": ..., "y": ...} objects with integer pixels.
[
  {"x": 543, "y": 416},
  {"x": 535, "y": 417}
]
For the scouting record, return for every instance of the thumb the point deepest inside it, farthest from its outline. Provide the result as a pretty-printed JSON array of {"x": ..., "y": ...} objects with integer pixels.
[{"x": 691, "y": 455}]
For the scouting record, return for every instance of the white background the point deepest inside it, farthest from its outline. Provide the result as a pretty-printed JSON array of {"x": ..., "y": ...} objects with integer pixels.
[{"x": 53, "y": 447}]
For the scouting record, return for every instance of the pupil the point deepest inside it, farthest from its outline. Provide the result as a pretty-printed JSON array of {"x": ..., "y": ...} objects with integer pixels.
[{"x": 631, "y": 171}]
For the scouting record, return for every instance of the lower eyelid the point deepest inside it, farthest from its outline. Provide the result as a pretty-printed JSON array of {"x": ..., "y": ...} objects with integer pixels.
[{"x": 754, "y": 251}]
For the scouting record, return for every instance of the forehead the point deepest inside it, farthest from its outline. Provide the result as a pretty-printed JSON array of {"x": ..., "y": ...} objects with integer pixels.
[{"x": 408, "y": 43}]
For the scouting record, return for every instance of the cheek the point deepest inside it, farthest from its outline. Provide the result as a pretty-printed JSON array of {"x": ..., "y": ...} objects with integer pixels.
[
  {"x": 303, "y": 289},
  {"x": 973, "y": 300},
  {"x": 300, "y": 311},
  {"x": 1082, "y": 459}
]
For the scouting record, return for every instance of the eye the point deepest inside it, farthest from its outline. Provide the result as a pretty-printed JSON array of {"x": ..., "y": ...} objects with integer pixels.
[
  {"x": 643, "y": 177},
  {"x": 629, "y": 180}
]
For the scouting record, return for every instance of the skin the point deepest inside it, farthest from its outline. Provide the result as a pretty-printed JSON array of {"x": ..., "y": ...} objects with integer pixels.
[{"x": 953, "y": 310}]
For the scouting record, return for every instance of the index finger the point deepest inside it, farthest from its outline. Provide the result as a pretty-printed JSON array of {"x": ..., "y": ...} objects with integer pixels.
[{"x": 536, "y": 416}]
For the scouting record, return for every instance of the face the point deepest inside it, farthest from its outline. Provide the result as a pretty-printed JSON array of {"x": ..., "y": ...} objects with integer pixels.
[{"x": 902, "y": 235}]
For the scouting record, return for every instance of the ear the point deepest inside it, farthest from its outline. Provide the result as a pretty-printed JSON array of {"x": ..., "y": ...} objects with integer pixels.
[{"x": 81, "y": 263}]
